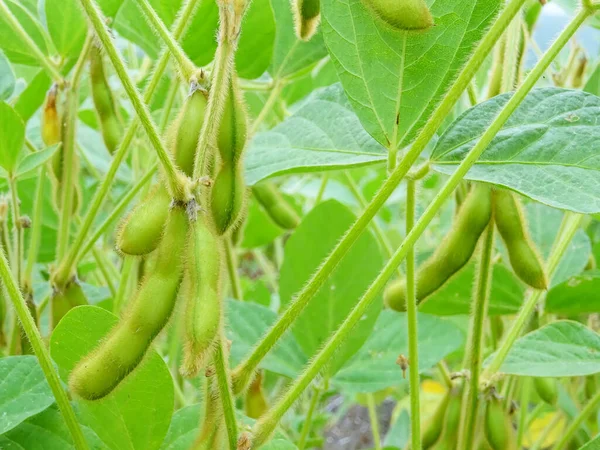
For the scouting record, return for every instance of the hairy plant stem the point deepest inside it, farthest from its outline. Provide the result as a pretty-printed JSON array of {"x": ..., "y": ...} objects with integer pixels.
[
  {"x": 104, "y": 270},
  {"x": 45, "y": 62},
  {"x": 266, "y": 424},
  {"x": 234, "y": 279},
  {"x": 413, "y": 328},
  {"x": 17, "y": 230},
  {"x": 175, "y": 180},
  {"x": 185, "y": 65},
  {"x": 278, "y": 86},
  {"x": 36, "y": 231},
  {"x": 225, "y": 394},
  {"x": 65, "y": 266},
  {"x": 33, "y": 335},
  {"x": 374, "y": 421},
  {"x": 243, "y": 373},
  {"x": 308, "y": 419},
  {"x": 526, "y": 386},
  {"x": 474, "y": 359},
  {"x": 567, "y": 435},
  {"x": 571, "y": 223}
]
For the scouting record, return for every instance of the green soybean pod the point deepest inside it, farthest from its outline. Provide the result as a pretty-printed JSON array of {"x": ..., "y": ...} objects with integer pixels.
[
  {"x": 104, "y": 102},
  {"x": 186, "y": 129},
  {"x": 498, "y": 428},
  {"x": 453, "y": 253},
  {"x": 275, "y": 205},
  {"x": 101, "y": 371},
  {"x": 307, "y": 15},
  {"x": 227, "y": 199},
  {"x": 63, "y": 300},
  {"x": 402, "y": 14},
  {"x": 141, "y": 231},
  {"x": 434, "y": 426},
  {"x": 547, "y": 389},
  {"x": 202, "y": 291},
  {"x": 449, "y": 436},
  {"x": 512, "y": 226}
]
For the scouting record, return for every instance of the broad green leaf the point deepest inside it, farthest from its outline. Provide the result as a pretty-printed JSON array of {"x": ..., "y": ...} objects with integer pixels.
[
  {"x": 255, "y": 49},
  {"x": 33, "y": 96},
  {"x": 24, "y": 391},
  {"x": 560, "y": 349},
  {"x": 455, "y": 297},
  {"x": 67, "y": 26},
  {"x": 118, "y": 418},
  {"x": 12, "y": 137},
  {"x": 33, "y": 160},
  {"x": 290, "y": 54},
  {"x": 14, "y": 48},
  {"x": 374, "y": 367},
  {"x": 7, "y": 78},
  {"x": 46, "y": 431},
  {"x": 594, "y": 444},
  {"x": 324, "y": 134},
  {"x": 184, "y": 428},
  {"x": 246, "y": 324},
  {"x": 547, "y": 150},
  {"x": 580, "y": 294},
  {"x": 259, "y": 229},
  {"x": 319, "y": 231},
  {"x": 394, "y": 79},
  {"x": 202, "y": 29},
  {"x": 593, "y": 83}
]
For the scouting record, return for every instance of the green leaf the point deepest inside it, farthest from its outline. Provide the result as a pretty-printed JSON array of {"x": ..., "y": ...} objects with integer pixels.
[
  {"x": 203, "y": 28},
  {"x": 14, "y": 48},
  {"x": 594, "y": 444},
  {"x": 580, "y": 294},
  {"x": 394, "y": 79},
  {"x": 374, "y": 367},
  {"x": 246, "y": 324},
  {"x": 118, "y": 418},
  {"x": 291, "y": 55},
  {"x": 7, "y": 78},
  {"x": 33, "y": 160},
  {"x": 561, "y": 349},
  {"x": 33, "y": 95},
  {"x": 324, "y": 134},
  {"x": 546, "y": 150},
  {"x": 455, "y": 297},
  {"x": 255, "y": 49},
  {"x": 67, "y": 26},
  {"x": 593, "y": 83},
  {"x": 12, "y": 137},
  {"x": 46, "y": 431},
  {"x": 184, "y": 428},
  {"x": 319, "y": 231},
  {"x": 259, "y": 229},
  {"x": 24, "y": 391}
]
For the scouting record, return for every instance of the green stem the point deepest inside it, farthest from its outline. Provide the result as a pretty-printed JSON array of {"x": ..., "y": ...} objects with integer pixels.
[
  {"x": 36, "y": 230},
  {"x": 511, "y": 55},
  {"x": 566, "y": 436},
  {"x": 66, "y": 265},
  {"x": 266, "y": 109},
  {"x": 243, "y": 372},
  {"x": 186, "y": 67},
  {"x": 445, "y": 374},
  {"x": 234, "y": 279},
  {"x": 476, "y": 338},
  {"x": 225, "y": 393},
  {"x": 102, "y": 265},
  {"x": 524, "y": 410},
  {"x": 374, "y": 421},
  {"x": 413, "y": 329},
  {"x": 563, "y": 239},
  {"x": 322, "y": 186},
  {"x": 128, "y": 264},
  {"x": 267, "y": 423},
  {"x": 168, "y": 105},
  {"x": 306, "y": 427},
  {"x": 41, "y": 352},
  {"x": 472, "y": 94},
  {"x": 22, "y": 34},
  {"x": 171, "y": 173},
  {"x": 269, "y": 272},
  {"x": 17, "y": 230}
]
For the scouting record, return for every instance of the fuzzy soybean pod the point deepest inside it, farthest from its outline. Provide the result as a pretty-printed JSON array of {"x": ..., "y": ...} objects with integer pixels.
[
  {"x": 98, "y": 373},
  {"x": 307, "y": 16},
  {"x": 449, "y": 436},
  {"x": 141, "y": 231},
  {"x": 434, "y": 426},
  {"x": 547, "y": 389},
  {"x": 275, "y": 205},
  {"x": 402, "y": 14},
  {"x": 228, "y": 190},
  {"x": 202, "y": 293},
  {"x": 453, "y": 253},
  {"x": 63, "y": 300},
  {"x": 512, "y": 226},
  {"x": 255, "y": 403},
  {"x": 104, "y": 102},
  {"x": 498, "y": 427}
]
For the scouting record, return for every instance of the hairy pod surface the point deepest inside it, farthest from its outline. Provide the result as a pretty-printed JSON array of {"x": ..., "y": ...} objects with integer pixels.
[
  {"x": 104, "y": 102},
  {"x": 449, "y": 435},
  {"x": 62, "y": 301},
  {"x": 512, "y": 226},
  {"x": 434, "y": 426},
  {"x": 307, "y": 17},
  {"x": 498, "y": 428},
  {"x": 547, "y": 389},
  {"x": 255, "y": 404},
  {"x": 275, "y": 205},
  {"x": 142, "y": 229},
  {"x": 202, "y": 291},
  {"x": 453, "y": 253},
  {"x": 227, "y": 198},
  {"x": 186, "y": 129},
  {"x": 402, "y": 14},
  {"x": 98, "y": 373}
]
